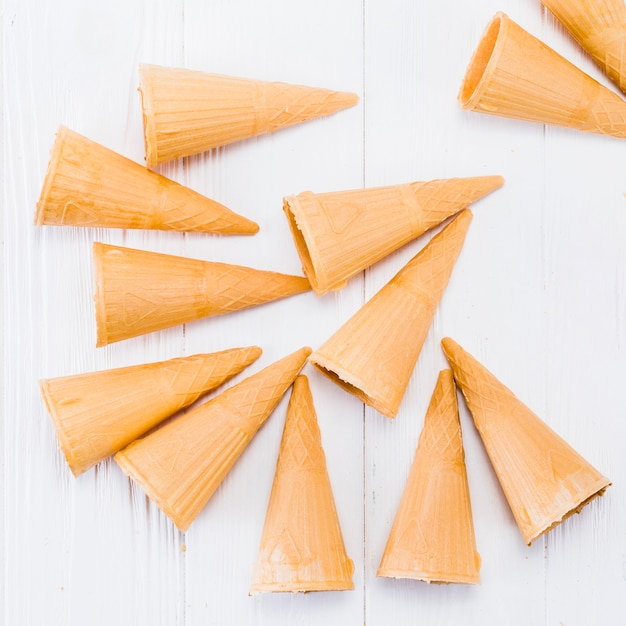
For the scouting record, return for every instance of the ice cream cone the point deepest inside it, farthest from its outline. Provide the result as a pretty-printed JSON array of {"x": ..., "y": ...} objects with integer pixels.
[
  {"x": 339, "y": 234},
  {"x": 374, "y": 353},
  {"x": 432, "y": 537},
  {"x": 513, "y": 74},
  {"x": 543, "y": 478},
  {"x": 98, "y": 413},
  {"x": 139, "y": 292},
  {"x": 181, "y": 464},
  {"x": 599, "y": 26},
  {"x": 186, "y": 112},
  {"x": 90, "y": 185},
  {"x": 302, "y": 547}
]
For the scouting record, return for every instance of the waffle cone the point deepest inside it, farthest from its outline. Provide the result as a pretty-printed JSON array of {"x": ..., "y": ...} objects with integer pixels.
[
  {"x": 599, "y": 26},
  {"x": 432, "y": 537},
  {"x": 181, "y": 464},
  {"x": 339, "y": 234},
  {"x": 302, "y": 547},
  {"x": 513, "y": 74},
  {"x": 140, "y": 292},
  {"x": 186, "y": 112},
  {"x": 90, "y": 185},
  {"x": 98, "y": 413},
  {"x": 543, "y": 478},
  {"x": 374, "y": 353}
]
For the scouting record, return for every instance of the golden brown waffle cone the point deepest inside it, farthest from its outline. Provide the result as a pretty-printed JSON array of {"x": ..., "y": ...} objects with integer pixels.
[
  {"x": 432, "y": 537},
  {"x": 181, "y": 464},
  {"x": 543, "y": 478},
  {"x": 98, "y": 413},
  {"x": 513, "y": 74},
  {"x": 90, "y": 185},
  {"x": 339, "y": 234},
  {"x": 374, "y": 353},
  {"x": 139, "y": 292},
  {"x": 186, "y": 112},
  {"x": 302, "y": 547},
  {"x": 599, "y": 26}
]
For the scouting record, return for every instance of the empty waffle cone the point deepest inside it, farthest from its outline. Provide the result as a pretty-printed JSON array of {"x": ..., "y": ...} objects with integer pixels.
[
  {"x": 432, "y": 537},
  {"x": 599, "y": 26},
  {"x": 181, "y": 464},
  {"x": 339, "y": 234},
  {"x": 374, "y": 353},
  {"x": 89, "y": 185},
  {"x": 186, "y": 112},
  {"x": 98, "y": 413},
  {"x": 140, "y": 292},
  {"x": 543, "y": 478},
  {"x": 513, "y": 74},
  {"x": 302, "y": 547}
]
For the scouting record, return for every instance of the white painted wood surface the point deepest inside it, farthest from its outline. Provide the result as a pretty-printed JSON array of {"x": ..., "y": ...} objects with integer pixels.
[{"x": 538, "y": 295}]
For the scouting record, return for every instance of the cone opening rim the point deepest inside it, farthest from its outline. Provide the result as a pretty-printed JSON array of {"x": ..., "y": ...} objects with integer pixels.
[
  {"x": 303, "y": 245},
  {"x": 56, "y": 153},
  {"x": 312, "y": 587},
  {"x": 483, "y": 61},
  {"x": 64, "y": 441},
  {"x": 597, "y": 490},
  {"x": 342, "y": 378},
  {"x": 460, "y": 579},
  {"x": 98, "y": 252},
  {"x": 143, "y": 482},
  {"x": 147, "y": 115}
]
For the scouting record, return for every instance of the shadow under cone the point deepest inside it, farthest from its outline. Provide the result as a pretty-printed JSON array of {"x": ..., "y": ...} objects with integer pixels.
[
  {"x": 543, "y": 478},
  {"x": 140, "y": 292},
  {"x": 89, "y": 185},
  {"x": 513, "y": 74},
  {"x": 98, "y": 413},
  {"x": 186, "y": 112},
  {"x": 302, "y": 547},
  {"x": 599, "y": 26},
  {"x": 339, "y": 234},
  {"x": 181, "y": 464},
  {"x": 374, "y": 353},
  {"x": 432, "y": 537}
]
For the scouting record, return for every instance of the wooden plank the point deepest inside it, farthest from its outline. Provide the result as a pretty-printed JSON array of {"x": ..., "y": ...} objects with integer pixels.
[
  {"x": 277, "y": 41},
  {"x": 91, "y": 550},
  {"x": 414, "y": 130}
]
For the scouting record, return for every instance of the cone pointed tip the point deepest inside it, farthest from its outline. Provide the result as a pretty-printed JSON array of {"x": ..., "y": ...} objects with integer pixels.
[
  {"x": 248, "y": 227},
  {"x": 448, "y": 344},
  {"x": 496, "y": 181}
]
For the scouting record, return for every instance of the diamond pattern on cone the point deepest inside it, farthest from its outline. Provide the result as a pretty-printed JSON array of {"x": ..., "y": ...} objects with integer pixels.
[
  {"x": 374, "y": 353},
  {"x": 543, "y": 478},
  {"x": 341, "y": 233},
  {"x": 301, "y": 547},
  {"x": 181, "y": 464},
  {"x": 98, "y": 413},
  {"x": 432, "y": 537}
]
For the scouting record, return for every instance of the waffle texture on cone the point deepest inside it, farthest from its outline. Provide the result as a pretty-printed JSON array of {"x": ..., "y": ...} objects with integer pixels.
[
  {"x": 543, "y": 478},
  {"x": 374, "y": 353},
  {"x": 187, "y": 112},
  {"x": 302, "y": 546},
  {"x": 181, "y": 464},
  {"x": 339, "y": 234},
  {"x": 89, "y": 185},
  {"x": 599, "y": 26},
  {"x": 432, "y": 537},
  {"x": 140, "y": 292},
  {"x": 98, "y": 413},
  {"x": 513, "y": 74}
]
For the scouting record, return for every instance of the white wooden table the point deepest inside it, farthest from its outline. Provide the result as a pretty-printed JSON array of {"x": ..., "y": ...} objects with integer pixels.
[{"x": 538, "y": 295}]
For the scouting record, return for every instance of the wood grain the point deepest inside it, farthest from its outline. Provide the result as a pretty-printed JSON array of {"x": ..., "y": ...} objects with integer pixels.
[{"x": 538, "y": 292}]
